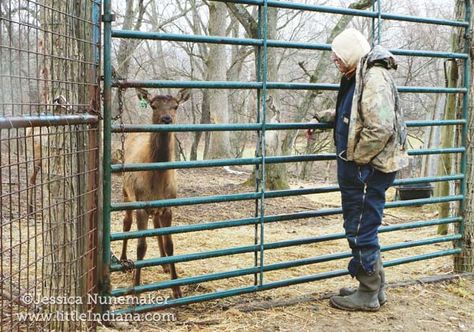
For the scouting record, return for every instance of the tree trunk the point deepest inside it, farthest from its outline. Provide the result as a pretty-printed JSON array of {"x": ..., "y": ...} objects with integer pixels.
[
  {"x": 276, "y": 175},
  {"x": 238, "y": 101},
  {"x": 205, "y": 118},
  {"x": 429, "y": 164},
  {"x": 445, "y": 165},
  {"x": 65, "y": 239},
  {"x": 464, "y": 262},
  {"x": 217, "y": 68}
]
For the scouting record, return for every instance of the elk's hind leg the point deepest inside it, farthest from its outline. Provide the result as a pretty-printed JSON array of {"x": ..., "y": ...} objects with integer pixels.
[
  {"x": 142, "y": 224},
  {"x": 32, "y": 185},
  {"x": 127, "y": 225},
  {"x": 165, "y": 221},
  {"x": 157, "y": 224}
]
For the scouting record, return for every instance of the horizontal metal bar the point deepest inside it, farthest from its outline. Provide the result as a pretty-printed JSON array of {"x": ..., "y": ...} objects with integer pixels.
[
  {"x": 252, "y": 195},
  {"x": 435, "y": 151},
  {"x": 259, "y": 85},
  {"x": 275, "y": 245},
  {"x": 319, "y": 190},
  {"x": 349, "y": 11},
  {"x": 137, "y": 167},
  {"x": 270, "y": 267},
  {"x": 424, "y": 89},
  {"x": 223, "y": 85},
  {"x": 131, "y": 34},
  {"x": 432, "y": 123},
  {"x": 227, "y": 224},
  {"x": 188, "y": 257},
  {"x": 421, "y": 257},
  {"x": 333, "y": 274},
  {"x": 454, "y": 177},
  {"x": 129, "y": 128},
  {"x": 429, "y": 54},
  {"x": 218, "y": 162},
  {"x": 183, "y": 201},
  {"x": 301, "y": 191},
  {"x": 184, "y": 164},
  {"x": 275, "y": 284},
  {"x": 184, "y": 228},
  {"x": 216, "y": 127},
  {"x": 252, "y": 221},
  {"x": 419, "y": 224},
  {"x": 183, "y": 281},
  {"x": 423, "y": 201},
  {"x": 28, "y": 121}
]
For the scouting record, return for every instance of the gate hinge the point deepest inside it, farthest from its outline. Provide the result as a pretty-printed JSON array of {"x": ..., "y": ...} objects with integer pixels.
[
  {"x": 108, "y": 17},
  {"x": 468, "y": 35}
]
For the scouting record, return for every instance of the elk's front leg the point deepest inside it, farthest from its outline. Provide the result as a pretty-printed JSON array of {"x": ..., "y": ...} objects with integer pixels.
[{"x": 157, "y": 224}]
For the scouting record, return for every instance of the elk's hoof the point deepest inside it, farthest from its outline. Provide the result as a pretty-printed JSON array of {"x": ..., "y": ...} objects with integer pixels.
[
  {"x": 177, "y": 293},
  {"x": 166, "y": 268},
  {"x": 128, "y": 265}
]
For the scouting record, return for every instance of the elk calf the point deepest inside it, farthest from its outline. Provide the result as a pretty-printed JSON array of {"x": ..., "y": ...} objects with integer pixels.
[{"x": 152, "y": 185}]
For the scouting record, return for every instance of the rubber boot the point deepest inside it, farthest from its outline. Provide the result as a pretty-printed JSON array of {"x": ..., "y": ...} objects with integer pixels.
[
  {"x": 382, "y": 296},
  {"x": 365, "y": 298}
]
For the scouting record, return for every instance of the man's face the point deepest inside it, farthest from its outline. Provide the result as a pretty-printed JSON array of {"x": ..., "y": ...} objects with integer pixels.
[{"x": 338, "y": 62}]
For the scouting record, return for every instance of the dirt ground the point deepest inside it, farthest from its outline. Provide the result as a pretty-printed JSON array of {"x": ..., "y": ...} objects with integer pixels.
[{"x": 438, "y": 307}]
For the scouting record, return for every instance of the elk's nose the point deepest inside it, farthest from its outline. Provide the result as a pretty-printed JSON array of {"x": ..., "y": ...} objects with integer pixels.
[{"x": 166, "y": 119}]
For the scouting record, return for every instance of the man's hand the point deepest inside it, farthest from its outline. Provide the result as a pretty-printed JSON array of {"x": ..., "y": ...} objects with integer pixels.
[{"x": 310, "y": 132}]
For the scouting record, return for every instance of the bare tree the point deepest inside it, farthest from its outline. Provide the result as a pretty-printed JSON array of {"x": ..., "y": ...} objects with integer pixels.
[
  {"x": 465, "y": 261},
  {"x": 453, "y": 102},
  {"x": 217, "y": 69}
]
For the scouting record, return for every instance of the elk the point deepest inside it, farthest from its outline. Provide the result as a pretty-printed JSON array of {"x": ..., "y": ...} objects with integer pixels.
[
  {"x": 40, "y": 140},
  {"x": 152, "y": 185}
]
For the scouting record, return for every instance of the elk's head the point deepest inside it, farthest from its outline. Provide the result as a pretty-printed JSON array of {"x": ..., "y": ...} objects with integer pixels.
[{"x": 164, "y": 106}]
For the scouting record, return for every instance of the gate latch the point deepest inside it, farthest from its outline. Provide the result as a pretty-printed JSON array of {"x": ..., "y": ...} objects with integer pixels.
[{"x": 108, "y": 17}]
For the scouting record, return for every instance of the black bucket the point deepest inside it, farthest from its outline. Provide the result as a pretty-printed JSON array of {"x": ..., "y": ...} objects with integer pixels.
[{"x": 415, "y": 191}]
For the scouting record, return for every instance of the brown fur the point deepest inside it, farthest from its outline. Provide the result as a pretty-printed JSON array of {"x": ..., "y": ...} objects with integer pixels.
[
  {"x": 152, "y": 185},
  {"x": 40, "y": 139}
]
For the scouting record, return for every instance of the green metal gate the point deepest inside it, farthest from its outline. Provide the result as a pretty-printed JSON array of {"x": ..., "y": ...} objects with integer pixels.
[{"x": 260, "y": 195}]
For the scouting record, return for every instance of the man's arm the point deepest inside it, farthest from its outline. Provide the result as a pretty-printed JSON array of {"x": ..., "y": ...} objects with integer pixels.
[{"x": 377, "y": 116}]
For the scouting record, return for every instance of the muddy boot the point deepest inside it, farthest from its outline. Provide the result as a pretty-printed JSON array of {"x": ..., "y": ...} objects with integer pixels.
[
  {"x": 365, "y": 298},
  {"x": 345, "y": 291}
]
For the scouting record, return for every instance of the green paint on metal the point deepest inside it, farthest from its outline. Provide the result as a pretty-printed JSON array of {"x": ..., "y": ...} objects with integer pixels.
[{"x": 260, "y": 160}]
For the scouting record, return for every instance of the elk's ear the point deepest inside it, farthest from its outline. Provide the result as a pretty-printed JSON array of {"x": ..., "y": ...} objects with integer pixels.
[
  {"x": 183, "y": 95},
  {"x": 143, "y": 94}
]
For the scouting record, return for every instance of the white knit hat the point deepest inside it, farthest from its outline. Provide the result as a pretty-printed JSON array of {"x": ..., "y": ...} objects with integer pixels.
[{"x": 350, "y": 46}]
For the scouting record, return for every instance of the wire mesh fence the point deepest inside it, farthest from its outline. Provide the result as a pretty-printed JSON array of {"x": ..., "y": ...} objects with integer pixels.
[{"x": 49, "y": 52}]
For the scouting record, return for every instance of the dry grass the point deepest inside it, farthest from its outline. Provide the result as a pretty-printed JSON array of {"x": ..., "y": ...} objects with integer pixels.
[{"x": 223, "y": 315}]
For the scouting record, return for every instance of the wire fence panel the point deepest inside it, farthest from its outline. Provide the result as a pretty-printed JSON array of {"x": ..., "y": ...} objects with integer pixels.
[{"x": 49, "y": 134}]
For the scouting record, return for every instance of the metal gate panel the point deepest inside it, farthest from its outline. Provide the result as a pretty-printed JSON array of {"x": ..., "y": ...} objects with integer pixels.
[{"x": 260, "y": 160}]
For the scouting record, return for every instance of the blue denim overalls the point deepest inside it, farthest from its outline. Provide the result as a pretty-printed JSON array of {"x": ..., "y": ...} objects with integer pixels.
[{"x": 362, "y": 190}]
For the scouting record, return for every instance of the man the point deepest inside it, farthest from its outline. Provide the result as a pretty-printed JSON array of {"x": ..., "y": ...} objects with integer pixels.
[{"x": 370, "y": 137}]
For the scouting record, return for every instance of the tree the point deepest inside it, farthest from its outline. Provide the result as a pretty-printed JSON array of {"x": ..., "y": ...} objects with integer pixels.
[
  {"x": 276, "y": 175},
  {"x": 453, "y": 103},
  {"x": 465, "y": 260},
  {"x": 217, "y": 69},
  {"x": 65, "y": 235}
]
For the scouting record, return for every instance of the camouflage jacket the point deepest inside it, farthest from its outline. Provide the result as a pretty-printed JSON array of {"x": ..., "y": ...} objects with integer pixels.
[{"x": 377, "y": 131}]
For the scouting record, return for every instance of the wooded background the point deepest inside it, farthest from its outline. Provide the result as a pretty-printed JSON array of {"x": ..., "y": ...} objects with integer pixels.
[{"x": 165, "y": 60}]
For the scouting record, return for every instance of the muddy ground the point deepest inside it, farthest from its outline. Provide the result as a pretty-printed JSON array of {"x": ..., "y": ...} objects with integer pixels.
[{"x": 445, "y": 306}]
